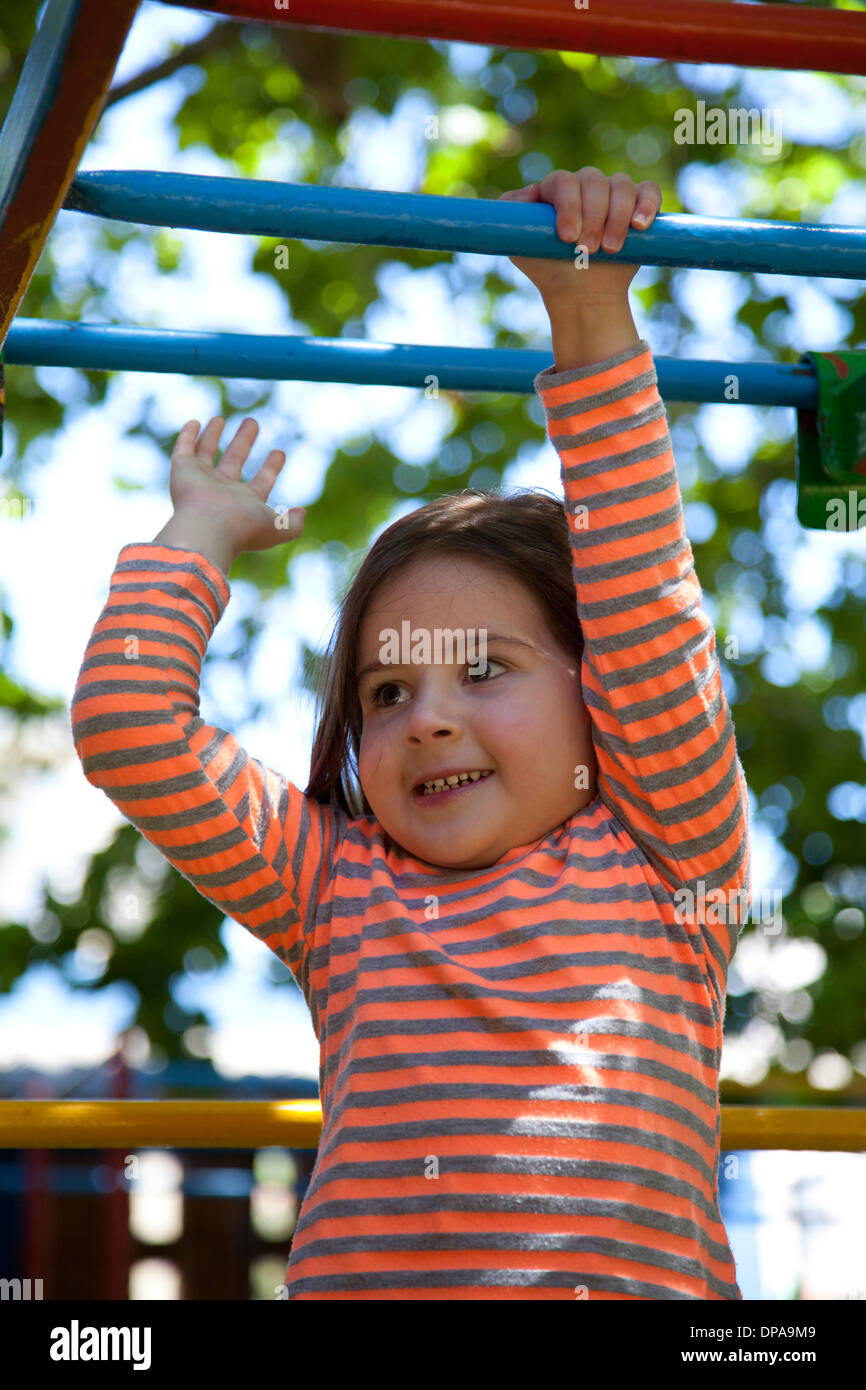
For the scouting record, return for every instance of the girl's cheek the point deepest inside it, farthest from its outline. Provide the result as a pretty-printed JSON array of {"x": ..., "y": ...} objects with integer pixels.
[
  {"x": 370, "y": 751},
  {"x": 520, "y": 724},
  {"x": 363, "y": 750}
]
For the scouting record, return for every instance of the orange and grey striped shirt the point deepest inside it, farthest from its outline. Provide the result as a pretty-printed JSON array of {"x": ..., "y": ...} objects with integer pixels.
[{"x": 520, "y": 1094}]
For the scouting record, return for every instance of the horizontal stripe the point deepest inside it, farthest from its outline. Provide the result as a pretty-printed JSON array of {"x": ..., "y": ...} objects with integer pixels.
[{"x": 519, "y": 1096}]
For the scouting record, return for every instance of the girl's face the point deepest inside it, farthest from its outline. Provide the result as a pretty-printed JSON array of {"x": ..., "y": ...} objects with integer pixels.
[{"x": 517, "y": 711}]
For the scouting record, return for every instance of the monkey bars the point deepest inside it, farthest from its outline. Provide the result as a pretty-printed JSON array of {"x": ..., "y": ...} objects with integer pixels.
[
  {"x": 281, "y": 357},
  {"x": 768, "y": 36},
  {"x": 296, "y": 1124},
  {"x": 70, "y": 63},
  {"x": 831, "y": 469},
  {"x": 68, "y": 68},
  {"x": 422, "y": 221},
  {"x": 55, "y": 108}
]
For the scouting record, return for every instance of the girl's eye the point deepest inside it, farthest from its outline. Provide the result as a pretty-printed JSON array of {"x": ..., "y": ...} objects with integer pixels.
[
  {"x": 377, "y": 690},
  {"x": 395, "y": 685},
  {"x": 488, "y": 663}
]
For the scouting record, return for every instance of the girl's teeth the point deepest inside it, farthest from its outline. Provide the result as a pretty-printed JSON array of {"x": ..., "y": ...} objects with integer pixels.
[{"x": 442, "y": 782}]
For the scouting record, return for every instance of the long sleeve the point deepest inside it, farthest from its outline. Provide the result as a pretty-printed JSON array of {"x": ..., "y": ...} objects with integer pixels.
[
  {"x": 248, "y": 840},
  {"x": 664, "y": 739}
]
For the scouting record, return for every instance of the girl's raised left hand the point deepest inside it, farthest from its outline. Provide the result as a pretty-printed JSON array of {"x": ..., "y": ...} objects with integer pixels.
[{"x": 594, "y": 211}]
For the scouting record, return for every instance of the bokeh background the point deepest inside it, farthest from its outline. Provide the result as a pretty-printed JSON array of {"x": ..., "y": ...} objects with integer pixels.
[{"x": 117, "y": 978}]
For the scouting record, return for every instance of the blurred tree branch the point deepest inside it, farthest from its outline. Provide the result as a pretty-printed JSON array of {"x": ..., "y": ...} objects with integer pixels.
[
  {"x": 317, "y": 58},
  {"x": 221, "y": 36}
]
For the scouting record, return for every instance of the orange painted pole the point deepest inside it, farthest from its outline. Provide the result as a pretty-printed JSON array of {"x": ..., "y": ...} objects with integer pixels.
[
  {"x": 761, "y": 36},
  {"x": 54, "y": 111}
]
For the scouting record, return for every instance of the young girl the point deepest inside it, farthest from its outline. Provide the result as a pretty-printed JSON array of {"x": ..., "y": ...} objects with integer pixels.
[{"x": 520, "y": 1028}]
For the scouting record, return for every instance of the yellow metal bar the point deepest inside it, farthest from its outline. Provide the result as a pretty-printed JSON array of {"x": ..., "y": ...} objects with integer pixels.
[
  {"x": 177, "y": 1124},
  {"x": 297, "y": 1124},
  {"x": 830, "y": 1128}
]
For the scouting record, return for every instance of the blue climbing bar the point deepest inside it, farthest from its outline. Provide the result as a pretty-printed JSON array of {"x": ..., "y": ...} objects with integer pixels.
[
  {"x": 422, "y": 221},
  {"x": 280, "y": 357}
]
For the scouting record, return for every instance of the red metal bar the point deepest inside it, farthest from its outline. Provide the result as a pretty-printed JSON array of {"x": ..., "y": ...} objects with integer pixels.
[
  {"x": 55, "y": 108},
  {"x": 117, "y": 1245},
  {"x": 39, "y": 1234},
  {"x": 762, "y": 36}
]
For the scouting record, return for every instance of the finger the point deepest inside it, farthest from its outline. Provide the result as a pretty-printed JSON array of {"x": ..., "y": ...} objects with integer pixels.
[
  {"x": 185, "y": 442},
  {"x": 562, "y": 189},
  {"x": 581, "y": 204},
  {"x": 623, "y": 196},
  {"x": 237, "y": 452},
  {"x": 283, "y": 524},
  {"x": 649, "y": 200},
  {"x": 267, "y": 475},
  {"x": 529, "y": 194},
  {"x": 595, "y": 201},
  {"x": 210, "y": 437}
]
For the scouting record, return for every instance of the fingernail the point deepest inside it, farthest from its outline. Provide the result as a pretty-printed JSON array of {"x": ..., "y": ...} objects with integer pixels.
[
  {"x": 641, "y": 218},
  {"x": 296, "y": 515}
]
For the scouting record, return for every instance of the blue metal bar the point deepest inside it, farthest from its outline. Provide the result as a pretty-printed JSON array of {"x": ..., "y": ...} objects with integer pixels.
[
  {"x": 81, "y": 1178},
  {"x": 278, "y": 357},
  {"x": 422, "y": 221}
]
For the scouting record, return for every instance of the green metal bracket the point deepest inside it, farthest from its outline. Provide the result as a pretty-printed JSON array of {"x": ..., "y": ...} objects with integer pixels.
[{"x": 831, "y": 445}]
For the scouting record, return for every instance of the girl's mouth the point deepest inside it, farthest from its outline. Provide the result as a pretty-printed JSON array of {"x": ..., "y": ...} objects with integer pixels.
[{"x": 441, "y": 798}]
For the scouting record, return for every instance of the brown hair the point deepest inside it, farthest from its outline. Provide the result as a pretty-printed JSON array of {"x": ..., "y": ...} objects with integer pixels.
[{"x": 525, "y": 534}]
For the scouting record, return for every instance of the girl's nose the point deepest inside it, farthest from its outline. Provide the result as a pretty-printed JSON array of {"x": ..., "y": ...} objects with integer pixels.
[{"x": 432, "y": 712}]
